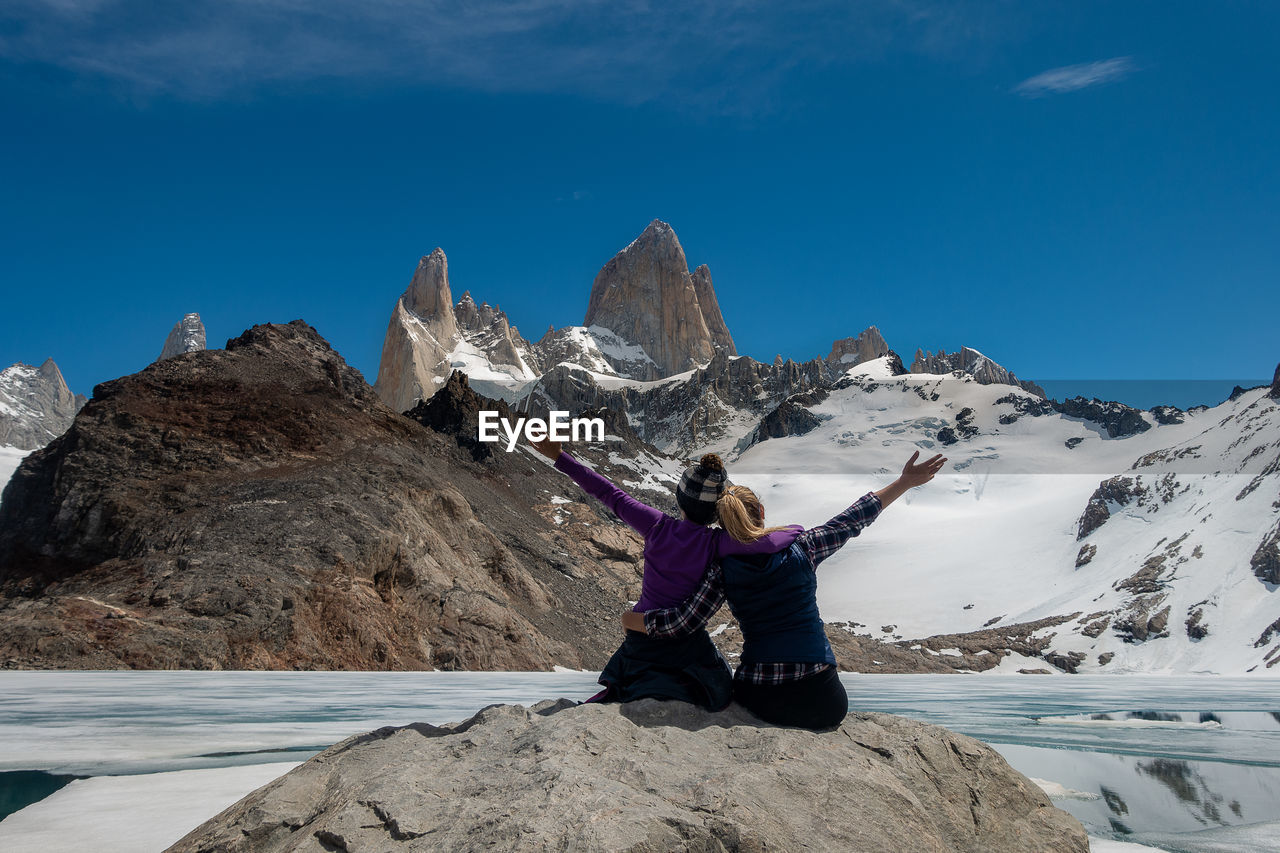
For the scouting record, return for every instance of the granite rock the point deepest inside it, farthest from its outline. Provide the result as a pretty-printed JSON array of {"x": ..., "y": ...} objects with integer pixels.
[
  {"x": 647, "y": 295},
  {"x": 187, "y": 335},
  {"x": 36, "y": 406},
  {"x": 646, "y": 777}
]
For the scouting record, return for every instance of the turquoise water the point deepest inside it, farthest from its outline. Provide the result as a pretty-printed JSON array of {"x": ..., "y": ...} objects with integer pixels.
[{"x": 1170, "y": 761}]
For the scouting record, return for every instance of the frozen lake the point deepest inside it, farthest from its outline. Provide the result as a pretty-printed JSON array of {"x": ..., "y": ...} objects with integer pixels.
[{"x": 1177, "y": 763}]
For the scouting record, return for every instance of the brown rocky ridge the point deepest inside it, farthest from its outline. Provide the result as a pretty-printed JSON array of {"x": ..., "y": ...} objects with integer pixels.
[{"x": 259, "y": 507}]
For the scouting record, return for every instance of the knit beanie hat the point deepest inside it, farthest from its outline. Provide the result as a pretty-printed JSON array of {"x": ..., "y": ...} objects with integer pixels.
[{"x": 700, "y": 487}]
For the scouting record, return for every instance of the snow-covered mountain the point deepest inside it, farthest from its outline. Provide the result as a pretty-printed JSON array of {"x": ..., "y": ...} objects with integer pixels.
[
  {"x": 36, "y": 406},
  {"x": 1076, "y": 535},
  {"x": 1155, "y": 552}
]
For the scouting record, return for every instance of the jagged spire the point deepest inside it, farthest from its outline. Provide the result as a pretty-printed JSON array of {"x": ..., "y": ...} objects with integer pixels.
[{"x": 647, "y": 296}]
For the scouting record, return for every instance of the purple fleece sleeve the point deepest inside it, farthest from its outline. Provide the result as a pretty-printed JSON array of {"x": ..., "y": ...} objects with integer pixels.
[
  {"x": 638, "y": 516},
  {"x": 770, "y": 543}
]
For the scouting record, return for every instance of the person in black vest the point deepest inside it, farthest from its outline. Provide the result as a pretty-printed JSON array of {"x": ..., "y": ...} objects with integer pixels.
[{"x": 787, "y": 675}]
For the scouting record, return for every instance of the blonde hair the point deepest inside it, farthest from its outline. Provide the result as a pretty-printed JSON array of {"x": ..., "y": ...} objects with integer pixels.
[{"x": 742, "y": 515}]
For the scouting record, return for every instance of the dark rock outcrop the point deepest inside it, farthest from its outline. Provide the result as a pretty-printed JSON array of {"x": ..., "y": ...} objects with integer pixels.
[
  {"x": 1196, "y": 627},
  {"x": 688, "y": 416},
  {"x": 1167, "y": 415},
  {"x": 1274, "y": 393},
  {"x": 850, "y": 352},
  {"x": 647, "y": 777},
  {"x": 1265, "y": 561},
  {"x": 974, "y": 363},
  {"x": 1117, "y": 419},
  {"x": 259, "y": 507},
  {"x": 455, "y": 410},
  {"x": 1118, "y": 490},
  {"x": 792, "y": 417}
]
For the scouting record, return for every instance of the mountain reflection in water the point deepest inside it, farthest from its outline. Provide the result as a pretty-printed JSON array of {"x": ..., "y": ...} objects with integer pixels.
[{"x": 1145, "y": 799}]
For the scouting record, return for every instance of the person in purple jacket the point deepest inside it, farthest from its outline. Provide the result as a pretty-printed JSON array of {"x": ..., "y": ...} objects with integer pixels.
[
  {"x": 787, "y": 675},
  {"x": 677, "y": 553}
]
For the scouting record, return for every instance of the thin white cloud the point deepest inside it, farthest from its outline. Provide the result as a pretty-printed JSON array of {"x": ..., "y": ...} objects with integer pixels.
[
  {"x": 717, "y": 55},
  {"x": 1071, "y": 78}
]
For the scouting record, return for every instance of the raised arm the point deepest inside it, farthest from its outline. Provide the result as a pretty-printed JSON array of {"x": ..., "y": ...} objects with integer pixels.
[
  {"x": 824, "y": 540},
  {"x": 689, "y": 616},
  {"x": 640, "y": 517},
  {"x": 912, "y": 475}
]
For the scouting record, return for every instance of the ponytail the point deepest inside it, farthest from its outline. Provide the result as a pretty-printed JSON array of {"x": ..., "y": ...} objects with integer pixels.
[{"x": 742, "y": 515}]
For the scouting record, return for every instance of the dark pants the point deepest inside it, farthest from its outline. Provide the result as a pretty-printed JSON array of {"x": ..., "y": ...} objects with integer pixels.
[
  {"x": 688, "y": 669},
  {"x": 815, "y": 702}
]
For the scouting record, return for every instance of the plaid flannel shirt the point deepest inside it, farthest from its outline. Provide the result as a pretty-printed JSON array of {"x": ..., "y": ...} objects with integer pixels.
[{"x": 818, "y": 543}]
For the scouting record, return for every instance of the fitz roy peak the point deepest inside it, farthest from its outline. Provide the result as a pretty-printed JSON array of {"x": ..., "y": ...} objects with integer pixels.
[
  {"x": 648, "y": 317},
  {"x": 647, "y": 296}
]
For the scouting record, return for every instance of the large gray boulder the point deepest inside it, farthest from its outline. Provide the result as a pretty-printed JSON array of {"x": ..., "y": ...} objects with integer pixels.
[{"x": 647, "y": 776}]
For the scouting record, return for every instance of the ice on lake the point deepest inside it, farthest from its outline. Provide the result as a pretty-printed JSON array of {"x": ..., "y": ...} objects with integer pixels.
[{"x": 1174, "y": 763}]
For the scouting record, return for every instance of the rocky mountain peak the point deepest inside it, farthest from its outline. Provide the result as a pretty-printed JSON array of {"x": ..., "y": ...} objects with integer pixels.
[
  {"x": 455, "y": 410},
  {"x": 428, "y": 297},
  {"x": 187, "y": 335},
  {"x": 429, "y": 335},
  {"x": 36, "y": 405},
  {"x": 711, "y": 310},
  {"x": 258, "y": 507},
  {"x": 1274, "y": 393},
  {"x": 648, "y": 297},
  {"x": 977, "y": 365},
  {"x": 848, "y": 352}
]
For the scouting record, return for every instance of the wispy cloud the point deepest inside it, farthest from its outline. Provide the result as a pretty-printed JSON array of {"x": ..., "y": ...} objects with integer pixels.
[
  {"x": 1071, "y": 78},
  {"x": 711, "y": 54}
]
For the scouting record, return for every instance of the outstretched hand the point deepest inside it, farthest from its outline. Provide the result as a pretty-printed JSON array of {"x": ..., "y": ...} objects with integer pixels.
[
  {"x": 917, "y": 474},
  {"x": 548, "y": 448}
]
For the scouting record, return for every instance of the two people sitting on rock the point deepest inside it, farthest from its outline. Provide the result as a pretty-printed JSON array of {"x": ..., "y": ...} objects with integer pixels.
[
  {"x": 788, "y": 674},
  {"x": 677, "y": 552}
]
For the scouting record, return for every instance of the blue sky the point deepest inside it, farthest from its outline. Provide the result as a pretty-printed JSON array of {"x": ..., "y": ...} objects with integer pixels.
[{"x": 1080, "y": 190}]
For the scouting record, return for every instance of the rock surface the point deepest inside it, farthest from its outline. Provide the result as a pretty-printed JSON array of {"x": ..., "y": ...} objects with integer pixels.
[
  {"x": 849, "y": 352},
  {"x": 36, "y": 406},
  {"x": 970, "y": 361},
  {"x": 259, "y": 508},
  {"x": 647, "y": 295},
  {"x": 1117, "y": 419},
  {"x": 1274, "y": 392},
  {"x": 187, "y": 335},
  {"x": 647, "y": 777},
  {"x": 419, "y": 336}
]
